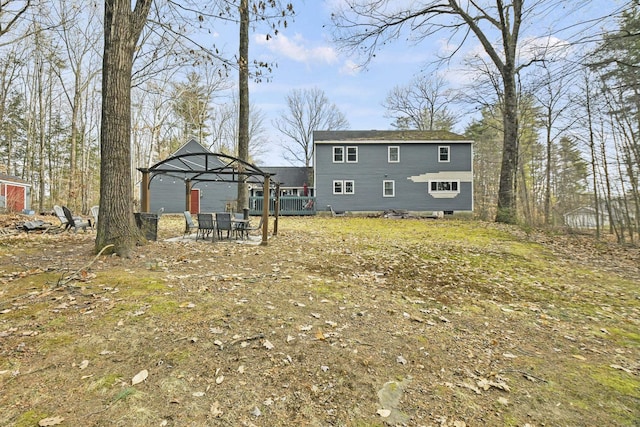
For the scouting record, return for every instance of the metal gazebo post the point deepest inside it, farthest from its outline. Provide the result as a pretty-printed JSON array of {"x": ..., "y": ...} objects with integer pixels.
[
  {"x": 276, "y": 210},
  {"x": 145, "y": 201},
  {"x": 265, "y": 209}
]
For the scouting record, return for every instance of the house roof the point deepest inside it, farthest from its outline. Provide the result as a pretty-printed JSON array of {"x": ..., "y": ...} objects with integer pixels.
[
  {"x": 191, "y": 146},
  {"x": 290, "y": 176},
  {"x": 14, "y": 180},
  {"x": 324, "y": 136}
]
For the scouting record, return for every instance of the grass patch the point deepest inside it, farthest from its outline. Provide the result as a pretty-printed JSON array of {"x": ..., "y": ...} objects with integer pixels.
[
  {"x": 618, "y": 381},
  {"x": 626, "y": 337},
  {"x": 29, "y": 418},
  {"x": 105, "y": 382},
  {"x": 308, "y": 328}
]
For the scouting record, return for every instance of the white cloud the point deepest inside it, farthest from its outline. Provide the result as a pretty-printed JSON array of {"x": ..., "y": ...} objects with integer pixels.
[
  {"x": 297, "y": 49},
  {"x": 549, "y": 46},
  {"x": 350, "y": 68}
]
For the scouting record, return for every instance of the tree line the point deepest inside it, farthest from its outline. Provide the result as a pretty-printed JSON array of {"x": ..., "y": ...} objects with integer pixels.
[{"x": 557, "y": 125}]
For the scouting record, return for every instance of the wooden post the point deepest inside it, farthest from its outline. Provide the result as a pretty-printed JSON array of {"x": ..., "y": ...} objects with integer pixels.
[
  {"x": 145, "y": 201},
  {"x": 276, "y": 210},
  {"x": 187, "y": 196},
  {"x": 265, "y": 210}
]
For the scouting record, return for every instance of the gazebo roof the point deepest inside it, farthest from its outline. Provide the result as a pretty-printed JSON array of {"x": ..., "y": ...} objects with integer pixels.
[{"x": 193, "y": 162}]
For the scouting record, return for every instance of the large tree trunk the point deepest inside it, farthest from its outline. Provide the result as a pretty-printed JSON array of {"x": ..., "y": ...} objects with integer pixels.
[
  {"x": 122, "y": 30},
  {"x": 243, "y": 119},
  {"x": 507, "y": 209}
]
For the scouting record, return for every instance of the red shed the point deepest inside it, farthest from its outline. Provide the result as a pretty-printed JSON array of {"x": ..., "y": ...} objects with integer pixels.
[{"x": 14, "y": 193}]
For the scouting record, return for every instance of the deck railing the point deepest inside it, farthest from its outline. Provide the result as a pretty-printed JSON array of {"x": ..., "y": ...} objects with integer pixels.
[{"x": 289, "y": 205}]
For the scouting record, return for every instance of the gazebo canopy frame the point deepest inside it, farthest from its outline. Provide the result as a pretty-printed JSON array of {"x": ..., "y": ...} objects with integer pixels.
[{"x": 210, "y": 167}]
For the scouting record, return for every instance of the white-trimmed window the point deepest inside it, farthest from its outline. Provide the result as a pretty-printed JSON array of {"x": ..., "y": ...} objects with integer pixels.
[
  {"x": 443, "y": 153},
  {"x": 343, "y": 187},
  {"x": 352, "y": 154},
  {"x": 349, "y": 187},
  {"x": 444, "y": 186},
  {"x": 338, "y": 154},
  {"x": 388, "y": 188},
  {"x": 393, "y": 154}
]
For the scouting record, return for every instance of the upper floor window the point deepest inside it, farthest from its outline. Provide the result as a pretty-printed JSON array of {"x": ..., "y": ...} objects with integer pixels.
[
  {"x": 388, "y": 188},
  {"x": 338, "y": 154},
  {"x": 352, "y": 154},
  {"x": 393, "y": 154},
  {"x": 443, "y": 153}
]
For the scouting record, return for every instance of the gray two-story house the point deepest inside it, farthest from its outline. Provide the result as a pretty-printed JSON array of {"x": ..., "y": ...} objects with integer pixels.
[{"x": 371, "y": 171}]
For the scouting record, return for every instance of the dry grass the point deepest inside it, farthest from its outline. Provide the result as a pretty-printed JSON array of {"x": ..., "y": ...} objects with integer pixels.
[{"x": 338, "y": 321}]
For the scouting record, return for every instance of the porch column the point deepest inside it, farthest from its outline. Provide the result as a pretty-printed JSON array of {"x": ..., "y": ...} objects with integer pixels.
[
  {"x": 145, "y": 201},
  {"x": 276, "y": 210},
  {"x": 265, "y": 210}
]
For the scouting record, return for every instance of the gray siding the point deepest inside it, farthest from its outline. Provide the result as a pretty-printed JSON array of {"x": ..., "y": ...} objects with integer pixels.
[
  {"x": 373, "y": 168},
  {"x": 170, "y": 195}
]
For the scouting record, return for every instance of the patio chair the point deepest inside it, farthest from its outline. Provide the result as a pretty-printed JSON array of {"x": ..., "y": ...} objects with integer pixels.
[
  {"x": 75, "y": 222},
  {"x": 189, "y": 224},
  {"x": 60, "y": 214},
  {"x": 239, "y": 225},
  {"x": 160, "y": 212},
  {"x": 94, "y": 213},
  {"x": 249, "y": 228},
  {"x": 223, "y": 222},
  {"x": 206, "y": 226},
  {"x": 334, "y": 212}
]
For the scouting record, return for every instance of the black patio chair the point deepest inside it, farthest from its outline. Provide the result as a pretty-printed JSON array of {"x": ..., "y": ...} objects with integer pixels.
[
  {"x": 223, "y": 223},
  {"x": 206, "y": 226},
  {"x": 75, "y": 222},
  {"x": 189, "y": 224}
]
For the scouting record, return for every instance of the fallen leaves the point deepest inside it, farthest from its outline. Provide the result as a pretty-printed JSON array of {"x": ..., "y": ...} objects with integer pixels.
[
  {"x": 140, "y": 377},
  {"x": 486, "y": 384},
  {"x": 52, "y": 421}
]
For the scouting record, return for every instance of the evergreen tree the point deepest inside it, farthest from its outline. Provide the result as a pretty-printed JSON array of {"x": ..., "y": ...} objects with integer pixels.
[{"x": 191, "y": 106}]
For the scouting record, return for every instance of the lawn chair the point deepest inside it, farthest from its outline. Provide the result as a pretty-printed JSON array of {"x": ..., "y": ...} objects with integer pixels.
[
  {"x": 206, "y": 227},
  {"x": 189, "y": 224},
  {"x": 335, "y": 213},
  {"x": 60, "y": 214},
  {"x": 75, "y": 222},
  {"x": 94, "y": 212},
  {"x": 223, "y": 222}
]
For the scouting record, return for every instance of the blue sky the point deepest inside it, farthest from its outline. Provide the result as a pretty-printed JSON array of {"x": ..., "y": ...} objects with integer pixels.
[{"x": 306, "y": 57}]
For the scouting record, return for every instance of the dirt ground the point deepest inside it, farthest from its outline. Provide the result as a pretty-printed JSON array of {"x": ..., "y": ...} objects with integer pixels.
[{"x": 336, "y": 322}]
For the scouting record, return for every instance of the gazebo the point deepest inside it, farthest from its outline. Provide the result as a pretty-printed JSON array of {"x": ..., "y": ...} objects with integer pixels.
[{"x": 196, "y": 167}]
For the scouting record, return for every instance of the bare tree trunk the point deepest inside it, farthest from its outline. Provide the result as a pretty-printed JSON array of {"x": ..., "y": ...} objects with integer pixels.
[
  {"x": 507, "y": 192},
  {"x": 607, "y": 183},
  {"x": 122, "y": 28},
  {"x": 548, "y": 162},
  {"x": 73, "y": 189},
  {"x": 243, "y": 121},
  {"x": 594, "y": 161}
]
